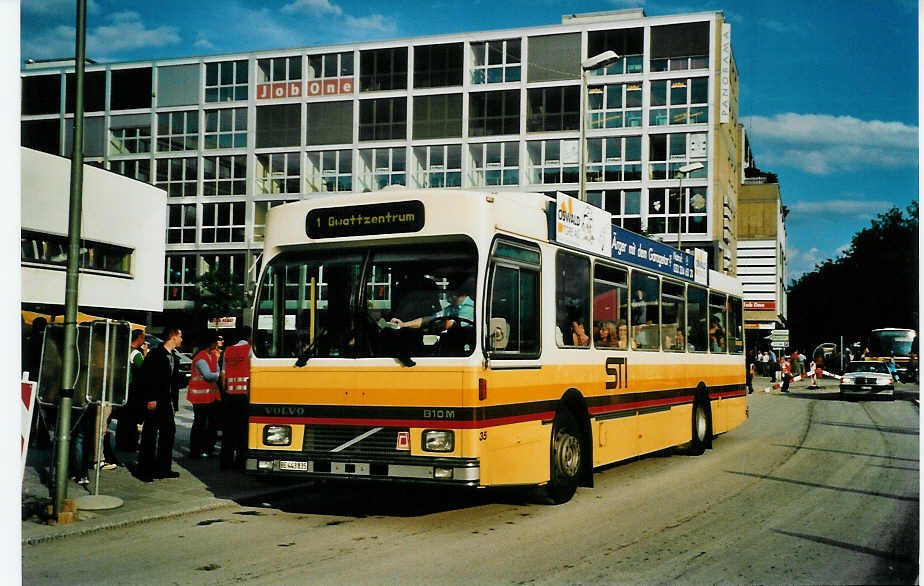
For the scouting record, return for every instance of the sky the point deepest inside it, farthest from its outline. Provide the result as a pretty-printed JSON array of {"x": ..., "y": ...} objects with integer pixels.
[{"x": 828, "y": 88}]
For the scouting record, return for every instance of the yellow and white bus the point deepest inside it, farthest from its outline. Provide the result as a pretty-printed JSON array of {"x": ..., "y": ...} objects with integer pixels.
[{"x": 482, "y": 339}]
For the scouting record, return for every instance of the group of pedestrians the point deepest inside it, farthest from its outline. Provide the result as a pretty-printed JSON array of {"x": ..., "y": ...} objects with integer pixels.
[{"x": 218, "y": 389}]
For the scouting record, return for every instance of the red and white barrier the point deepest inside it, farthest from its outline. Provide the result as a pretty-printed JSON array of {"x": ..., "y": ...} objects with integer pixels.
[
  {"x": 28, "y": 405},
  {"x": 818, "y": 373}
]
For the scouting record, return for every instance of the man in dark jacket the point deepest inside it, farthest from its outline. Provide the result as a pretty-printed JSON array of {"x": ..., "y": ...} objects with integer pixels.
[{"x": 160, "y": 381}]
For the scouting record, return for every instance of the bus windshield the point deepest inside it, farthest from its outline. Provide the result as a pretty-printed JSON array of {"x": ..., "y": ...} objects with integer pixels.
[
  {"x": 394, "y": 300},
  {"x": 891, "y": 342}
]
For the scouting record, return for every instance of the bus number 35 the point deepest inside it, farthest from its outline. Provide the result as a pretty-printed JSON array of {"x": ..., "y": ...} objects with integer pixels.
[{"x": 617, "y": 372}]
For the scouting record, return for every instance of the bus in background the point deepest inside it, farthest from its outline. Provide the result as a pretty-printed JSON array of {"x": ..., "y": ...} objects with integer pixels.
[
  {"x": 482, "y": 339},
  {"x": 898, "y": 343}
]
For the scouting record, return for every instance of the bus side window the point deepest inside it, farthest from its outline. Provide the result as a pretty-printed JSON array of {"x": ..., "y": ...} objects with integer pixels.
[
  {"x": 718, "y": 324},
  {"x": 644, "y": 311},
  {"x": 572, "y": 293},
  {"x": 697, "y": 319}
]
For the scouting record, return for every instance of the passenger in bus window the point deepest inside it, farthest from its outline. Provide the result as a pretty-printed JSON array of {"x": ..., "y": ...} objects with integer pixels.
[
  {"x": 607, "y": 335},
  {"x": 622, "y": 336},
  {"x": 680, "y": 343},
  {"x": 578, "y": 334},
  {"x": 639, "y": 308}
]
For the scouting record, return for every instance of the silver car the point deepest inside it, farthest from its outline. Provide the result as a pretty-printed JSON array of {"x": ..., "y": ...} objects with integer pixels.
[{"x": 867, "y": 378}]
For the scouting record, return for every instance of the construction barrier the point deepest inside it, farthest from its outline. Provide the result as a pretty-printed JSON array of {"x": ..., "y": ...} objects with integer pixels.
[
  {"x": 28, "y": 406},
  {"x": 818, "y": 373}
]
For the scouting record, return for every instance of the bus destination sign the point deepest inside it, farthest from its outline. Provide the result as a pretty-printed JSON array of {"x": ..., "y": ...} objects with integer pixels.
[{"x": 365, "y": 220}]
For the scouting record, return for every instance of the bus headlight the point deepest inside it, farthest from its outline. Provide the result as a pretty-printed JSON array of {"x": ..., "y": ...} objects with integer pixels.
[
  {"x": 848, "y": 380},
  {"x": 277, "y": 435},
  {"x": 438, "y": 440}
]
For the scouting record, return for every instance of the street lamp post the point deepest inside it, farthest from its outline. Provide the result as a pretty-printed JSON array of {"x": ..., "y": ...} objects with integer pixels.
[
  {"x": 681, "y": 172},
  {"x": 597, "y": 61}
]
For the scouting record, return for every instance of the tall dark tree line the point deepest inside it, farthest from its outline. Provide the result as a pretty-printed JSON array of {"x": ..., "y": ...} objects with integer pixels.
[{"x": 873, "y": 285}]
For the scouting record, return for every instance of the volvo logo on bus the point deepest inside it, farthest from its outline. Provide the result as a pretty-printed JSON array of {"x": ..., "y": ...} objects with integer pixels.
[
  {"x": 439, "y": 414},
  {"x": 284, "y": 410}
]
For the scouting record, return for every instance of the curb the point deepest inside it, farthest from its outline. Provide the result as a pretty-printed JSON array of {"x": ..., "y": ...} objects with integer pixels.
[{"x": 217, "y": 503}]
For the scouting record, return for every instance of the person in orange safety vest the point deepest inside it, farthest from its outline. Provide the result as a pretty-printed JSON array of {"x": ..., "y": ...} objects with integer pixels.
[
  {"x": 235, "y": 377},
  {"x": 204, "y": 395}
]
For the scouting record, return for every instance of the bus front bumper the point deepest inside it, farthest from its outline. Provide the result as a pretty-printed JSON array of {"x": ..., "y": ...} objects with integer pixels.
[{"x": 450, "y": 471}]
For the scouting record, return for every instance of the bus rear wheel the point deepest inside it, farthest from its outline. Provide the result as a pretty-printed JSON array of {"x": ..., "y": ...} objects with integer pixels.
[
  {"x": 701, "y": 428},
  {"x": 567, "y": 458}
]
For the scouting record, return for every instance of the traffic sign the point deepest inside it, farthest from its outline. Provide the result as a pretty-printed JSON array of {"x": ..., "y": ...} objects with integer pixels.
[{"x": 778, "y": 345}]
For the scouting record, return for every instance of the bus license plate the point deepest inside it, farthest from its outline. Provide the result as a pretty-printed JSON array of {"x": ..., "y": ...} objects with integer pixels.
[
  {"x": 866, "y": 388},
  {"x": 290, "y": 465}
]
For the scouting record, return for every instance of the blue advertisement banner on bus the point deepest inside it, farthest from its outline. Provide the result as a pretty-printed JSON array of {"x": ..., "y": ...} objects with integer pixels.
[{"x": 656, "y": 256}]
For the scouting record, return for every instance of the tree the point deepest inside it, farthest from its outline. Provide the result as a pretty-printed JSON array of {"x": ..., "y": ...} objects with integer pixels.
[
  {"x": 217, "y": 294},
  {"x": 873, "y": 285}
]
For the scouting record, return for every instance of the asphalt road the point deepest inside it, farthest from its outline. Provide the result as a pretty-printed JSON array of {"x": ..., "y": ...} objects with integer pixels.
[{"x": 810, "y": 490}]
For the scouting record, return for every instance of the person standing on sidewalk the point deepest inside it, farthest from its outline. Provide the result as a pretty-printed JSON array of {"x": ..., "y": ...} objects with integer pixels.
[
  {"x": 235, "y": 384},
  {"x": 785, "y": 376},
  {"x": 203, "y": 393},
  {"x": 160, "y": 380},
  {"x": 132, "y": 413}
]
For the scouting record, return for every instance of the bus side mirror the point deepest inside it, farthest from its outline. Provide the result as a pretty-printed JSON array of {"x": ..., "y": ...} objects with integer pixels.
[{"x": 500, "y": 333}]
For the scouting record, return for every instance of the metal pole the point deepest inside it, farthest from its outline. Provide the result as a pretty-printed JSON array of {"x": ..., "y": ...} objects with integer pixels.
[
  {"x": 679, "y": 210},
  {"x": 583, "y": 173},
  {"x": 101, "y": 409},
  {"x": 68, "y": 366}
]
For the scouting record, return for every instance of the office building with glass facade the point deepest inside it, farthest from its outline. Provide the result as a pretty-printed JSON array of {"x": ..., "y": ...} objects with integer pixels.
[{"x": 230, "y": 136}]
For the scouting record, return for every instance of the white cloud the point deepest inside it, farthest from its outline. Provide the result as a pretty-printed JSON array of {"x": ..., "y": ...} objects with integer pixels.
[
  {"x": 56, "y": 7},
  {"x": 125, "y": 31},
  {"x": 203, "y": 43},
  {"x": 822, "y": 144},
  {"x": 803, "y": 261},
  {"x": 840, "y": 207},
  {"x": 312, "y": 7},
  {"x": 374, "y": 23}
]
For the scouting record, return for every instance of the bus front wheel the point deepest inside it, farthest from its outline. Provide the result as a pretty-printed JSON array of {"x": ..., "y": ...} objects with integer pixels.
[
  {"x": 567, "y": 458},
  {"x": 701, "y": 428}
]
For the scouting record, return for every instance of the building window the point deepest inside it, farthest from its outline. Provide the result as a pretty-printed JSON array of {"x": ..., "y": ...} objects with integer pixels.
[
  {"x": 625, "y": 205},
  {"x": 330, "y": 170},
  {"x": 493, "y": 113},
  {"x": 438, "y": 65},
  {"x": 679, "y": 101},
  {"x": 181, "y": 223},
  {"x": 330, "y": 123},
  {"x": 439, "y": 165},
  {"x": 139, "y": 169},
  {"x": 222, "y": 222},
  {"x": 279, "y": 69},
  {"x": 605, "y": 159},
  {"x": 225, "y": 129},
  {"x": 496, "y": 61},
  {"x": 94, "y": 137},
  {"x": 52, "y": 249},
  {"x": 41, "y": 94},
  {"x": 614, "y": 105},
  {"x": 42, "y": 135},
  {"x": 178, "y": 85},
  {"x": 553, "y": 161},
  {"x": 178, "y": 176},
  {"x": 627, "y": 43},
  {"x": 278, "y": 173},
  {"x": 231, "y": 265},
  {"x": 554, "y": 57},
  {"x": 669, "y": 152},
  {"x": 553, "y": 108},
  {"x": 279, "y": 126},
  {"x": 94, "y": 92},
  {"x": 178, "y": 131},
  {"x": 260, "y": 209},
  {"x": 130, "y": 134},
  {"x": 678, "y": 47},
  {"x": 438, "y": 116},
  {"x": 180, "y": 277},
  {"x": 130, "y": 88},
  {"x": 664, "y": 211},
  {"x": 225, "y": 175},
  {"x": 330, "y": 66},
  {"x": 383, "y": 69},
  {"x": 226, "y": 81},
  {"x": 383, "y": 119},
  {"x": 495, "y": 163},
  {"x": 382, "y": 167}
]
